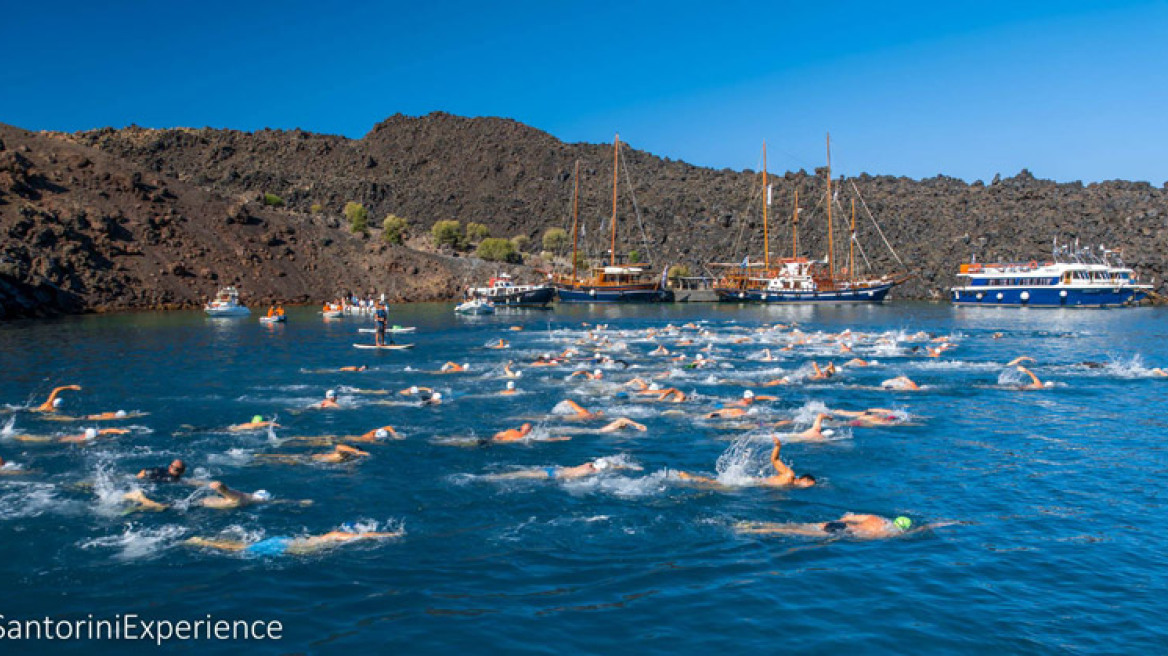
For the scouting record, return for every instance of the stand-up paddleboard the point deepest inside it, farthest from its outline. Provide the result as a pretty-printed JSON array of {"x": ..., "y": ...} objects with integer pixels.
[
  {"x": 388, "y": 347},
  {"x": 395, "y": 329}
]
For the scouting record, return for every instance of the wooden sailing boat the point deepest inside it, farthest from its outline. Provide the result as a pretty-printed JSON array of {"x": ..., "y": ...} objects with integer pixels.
[
  {"x": 799, "y": 279},
  {"x": 611, "y": 283}
]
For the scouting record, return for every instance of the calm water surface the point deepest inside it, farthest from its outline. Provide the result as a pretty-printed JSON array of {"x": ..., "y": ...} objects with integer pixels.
[{"x": 1059, "y": 494}]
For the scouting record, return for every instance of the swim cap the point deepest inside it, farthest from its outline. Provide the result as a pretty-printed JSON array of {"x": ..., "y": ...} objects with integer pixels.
[
  {"x": 120, "y": 413},
  {"x": 331, "y": 394},
  {"x": 262, "y": 495},
  {"x": 437, "y": 396},
  {"x": 381, "y": 433},
  {"x": 58, "y": 403},
  {"x": 748, "y": 394},
  {"x": 596, "y": 372},
  {"x": 258, "y": 419},
  {"x": 600, "y": 464},
  {"x": 510, "y": 384},
  {"x": 903, "y": 523},
  {"x": 654, "y": 387},
  {"x": 413, "y": 389},
  {"x": 90, "y": 433},
  {"x": 699, "y": 356}
]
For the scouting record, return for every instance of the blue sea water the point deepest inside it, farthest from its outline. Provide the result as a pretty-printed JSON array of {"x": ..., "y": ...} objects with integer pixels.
[{"x": 1054, "y": 499}]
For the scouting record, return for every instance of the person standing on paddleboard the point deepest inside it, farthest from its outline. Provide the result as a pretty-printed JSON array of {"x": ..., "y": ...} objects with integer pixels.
[{"x": 382, "y": 318}]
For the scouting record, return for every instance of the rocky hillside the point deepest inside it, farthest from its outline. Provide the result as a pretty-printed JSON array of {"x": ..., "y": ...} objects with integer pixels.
[
  {"x": 86, "y": 230},
  {"x": 145, "y": 218}
]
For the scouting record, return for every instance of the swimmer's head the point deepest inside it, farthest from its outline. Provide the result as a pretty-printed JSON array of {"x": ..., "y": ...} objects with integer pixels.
[
  {"x": 58, "y": 403},
  {"x": 120, "y": 414},
  {"x": 699, "y": 356},
  {"x": 748, "y": 394},
  {"x": 654, "y": 387},
  {"x": 525, "y": 427},
  {"x": 596, "y": 372},
  {"x": 413, "y": 389},
  {"x": 262, "y": 495},
  {"x": 903, "y": 523},
  {"x": 437, "y": 396},
  {"x": 806, "y": 480},
  {"x": 331, "y": 394},
  {"x": 381, "y": 433},
  {"x": 177, "y": 468},
  {"x": 257, "y": 419},
  {"x": 510, "y": 384},
  {"x": 601, "y": 464},
  {"x": 90, "y": 433}
]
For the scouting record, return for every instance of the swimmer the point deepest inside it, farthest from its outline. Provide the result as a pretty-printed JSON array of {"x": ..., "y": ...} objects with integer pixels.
[
  {"x": 53, "y": 404},
  {"x": 668, "y": 395},
  {"x": 499, "y": 344},
  {"x": 621, "y": 424},
  {"x": 785, "y": 380},
  {"x": 638, "y": 384},
  {"x": 91, "y": 434},
  {"x": 278, "y": 546},
  {"x": 416, "y": 391},
  {"x": 749, "y": 397},
  {"x": 230, "y": 499},
  {"x": 857, "y": 362},
  {"x": 564, "y": 473},
  {"x": 353, "y": 368},
  {"x": 510, "y": 389},
  {"x": 824, "y": 373},
  {"x": 172, "y": 473},
  {"x": 383, "y": 433},
  {"x": 11, "y": 468},
  {"x": 726, "y": 413},
  {"x": 870, "y": 418},
  {"x": 784, "y": 475},
  {"x": 1035, "y": 383},
  {"x": 900, "y": 383},
  {"x": 590, "y": 375},
  {"x": 864, "y": 527},
  {"x": 1017, "y": 361},
  {"x": 139, "y": 499},
  {"x": 341, "y": 453},
  {"x": 453, "y": 368},
  {"x": 1159, "y": 372},
  {"x": 660, "y": 350},
  {"x": 106, "y": 416},
  {"x": 512, "y": 434},
  {"x": 816, "y": 430},
  {"x": 545, "y": 360},
  {"x": 434, "y": 399},
  {"x": 508, "y": 372},
  {"x": 257, "y": 422},
  {"x": 517, "y": 329},
  {"x": 767, "y": 356},
  {"x": 580, "y": 412},
  {"x": 330, "y": 400}
]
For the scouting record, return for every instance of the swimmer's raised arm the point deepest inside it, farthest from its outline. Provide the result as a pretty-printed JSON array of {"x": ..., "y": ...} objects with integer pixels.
[{"x": 1019, "y": 360}]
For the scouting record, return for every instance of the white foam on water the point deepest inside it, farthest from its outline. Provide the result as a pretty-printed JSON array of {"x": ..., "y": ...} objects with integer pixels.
[
  {"x": 620, "y": 486},
  {"x": 9, "y": 428},
  {"x": 26, "y": 500},
  {"x": 740, "y": 464},
  {"x": 136, "y": 543}
]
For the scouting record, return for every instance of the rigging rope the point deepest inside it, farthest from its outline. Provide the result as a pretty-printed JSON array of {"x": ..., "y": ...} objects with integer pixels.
[{"x": 881, "y": 232}]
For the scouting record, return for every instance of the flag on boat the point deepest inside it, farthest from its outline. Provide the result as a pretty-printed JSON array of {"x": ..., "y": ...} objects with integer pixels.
[{"x": 745, "y": 262}]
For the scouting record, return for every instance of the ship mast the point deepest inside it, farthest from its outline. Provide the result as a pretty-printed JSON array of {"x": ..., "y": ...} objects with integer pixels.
[
  {"x": 575, "y": 220},
  {"x": 795, "y": 227},
  {"x": 766, "y": 200},
  {"x": 830, "y": 244},
  {"x": 615, "y": 164},
  {"x": 852, "y": 247}
]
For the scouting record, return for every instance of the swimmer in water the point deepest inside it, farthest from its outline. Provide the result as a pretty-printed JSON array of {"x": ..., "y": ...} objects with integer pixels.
[
  {"x": 230, "y": 499},
  {"x": 857, "y": 362},
  {"x": 621, "y": 424},
  {"x": 824, "y": 373},
  {"x": 660, "y": 350},
  {"x": 92, "y": 434},
  {"x": 433, "y": 399},
  {"x": 279, "y": 546},
  {"x": 107, "y": 416},
  {"x": 172, "y": 473},
  {"x": 870, "y": 418},
  {"x": 900, "y": 383},
  {"x": 1034, "y": 384},
  {"x": 417, "y": 391},
  {"x": 564, "y": 473},
  {"x": 749, "y": 397},
  {"x": 767, "y": 356},
  {"x": 354, "y": 368},
  {"x": 784, "y": 475},
  {"x": 11, "y": 468},
  {"x": 53, "y": 404},
  {"x": 340, "y": 454},
  {"x": 510, "y": 389},
  {"x": 257, "y": 422},
  {"x": 1159, "y": 372},
  {"x": 508, "y": 372},
  {"x": 512, "y": 434},
  {"x": 590, "y": 375},
  {"x": 499, "y": 344},
  {"x": 863, "y": 527},
  {"x": 453, "y": 368},
  {"x": 580, "y": 412},
  {"x": 726, "y": 413},
  {"x": 330, "y": 400},
  {"x": 816, "y": 430}
]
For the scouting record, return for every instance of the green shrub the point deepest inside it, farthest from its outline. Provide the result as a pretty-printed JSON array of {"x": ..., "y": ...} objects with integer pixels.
[
  {"x": 272, "y": 200},
  {"x": 447, "y": 233},
  {"x": 678, "y": 271},
  {"x": 521, "y": 243},
  {"x": 316, "y": 208},
  {"x": 394, "y": 229},
  {"x": 547, "y": 256},
  {"x": 634, "y": 257},
  {"x": 555, "y": 240},
  {"x": 476, "y": 232},
  {"x": 358, "y": 217},
  {"x": 497, "y": 249}
]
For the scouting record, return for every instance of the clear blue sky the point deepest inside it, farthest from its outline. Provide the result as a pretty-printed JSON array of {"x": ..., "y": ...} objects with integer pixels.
[{"x": 1071, "y": 90}]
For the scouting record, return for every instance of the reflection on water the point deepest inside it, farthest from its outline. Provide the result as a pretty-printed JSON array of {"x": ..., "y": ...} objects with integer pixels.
[{"x": 1056, "y": 490}]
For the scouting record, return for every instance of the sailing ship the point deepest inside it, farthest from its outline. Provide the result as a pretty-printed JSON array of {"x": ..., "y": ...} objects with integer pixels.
[
  {"x": 611, "y": 283},
  {"x": 1077, "y": 277},
  {"x": 799, "y": 279}
]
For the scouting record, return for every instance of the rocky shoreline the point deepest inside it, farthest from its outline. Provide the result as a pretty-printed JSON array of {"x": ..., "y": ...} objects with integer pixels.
[{"x": 136, "y": 218}]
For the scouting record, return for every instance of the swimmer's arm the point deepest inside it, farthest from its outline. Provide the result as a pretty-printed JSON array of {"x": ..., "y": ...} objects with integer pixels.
[
  {"x": 780, "y": 466},
  {"x": 1031, "y": 374}
]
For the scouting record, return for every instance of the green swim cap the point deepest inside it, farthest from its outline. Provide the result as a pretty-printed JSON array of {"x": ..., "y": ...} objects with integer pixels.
[
  {"x": 903, "y": 522},
  {"x": 257, "y": 419}
]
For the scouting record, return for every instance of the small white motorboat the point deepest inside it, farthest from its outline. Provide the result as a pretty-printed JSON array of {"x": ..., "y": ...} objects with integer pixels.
[
  {"x": 476, "y": 306},
  {"x": 226, "y": 304}
]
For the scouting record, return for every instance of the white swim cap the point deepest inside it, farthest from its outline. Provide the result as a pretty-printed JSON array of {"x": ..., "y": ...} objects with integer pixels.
[
  {"x": 262, "y": 495},
  {"x": 437, "y": 396},
  {"x": 600, "y": 464},
  {"x": 699, "y": 356},
  {"x": 331, "y": 394},
  {"x": 120, "y": 413},
  {"x": 654, "y": 387},
  {"x": 466, "y": 365},
  {"x": 748, "y": 394},
  {"x": 547, "y": 356},
  {"x": 381, "y": 433},
  {"x": 413, "y": 389},
  {"x": 58, "y": 403},
  {"x": 90, "y": 433},
  {"x": 596, "y": 372},
  {"x": 510, "y": 384}
]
